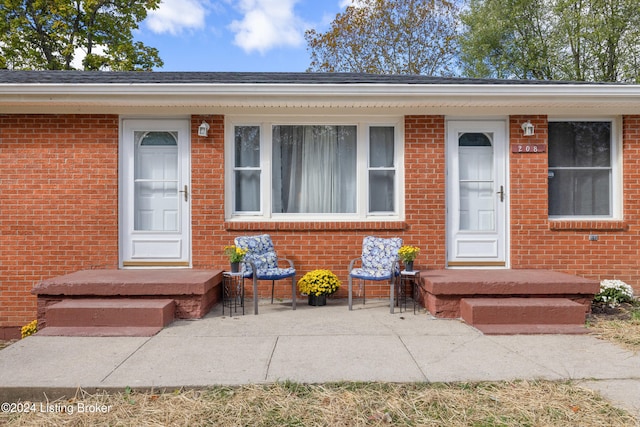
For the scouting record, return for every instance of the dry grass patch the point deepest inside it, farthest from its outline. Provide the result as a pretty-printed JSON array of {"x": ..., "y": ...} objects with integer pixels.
[
  {"x": 520, "y": 403},
  {"x": 620, "y": 325}
]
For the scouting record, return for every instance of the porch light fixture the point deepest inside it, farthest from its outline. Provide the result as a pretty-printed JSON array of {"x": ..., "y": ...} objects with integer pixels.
[
  {"x": 528, "y": 129},
  {"x": 203, "y": 129}
]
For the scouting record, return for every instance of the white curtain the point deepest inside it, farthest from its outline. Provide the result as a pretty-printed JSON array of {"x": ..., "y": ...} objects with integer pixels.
[{"x": 314, "y": 169}]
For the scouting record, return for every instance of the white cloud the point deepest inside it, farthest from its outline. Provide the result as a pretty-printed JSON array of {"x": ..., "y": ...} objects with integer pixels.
[
  {"x": 267, "y": 24},
  {"x": 356, "y": 3},
  {"x": 176, "y": 16},
  {"x": 79, "y": 54}
]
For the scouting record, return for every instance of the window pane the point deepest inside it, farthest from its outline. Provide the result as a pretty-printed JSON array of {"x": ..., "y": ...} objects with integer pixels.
[
  {"x": 579, "y": 144},
  {"x": 247, "y": 146},
  {"x": 474, "y": 140},
  {"x": 247, "y": 191},
  {"x": 579, "y": 192},
  {"x": 314, "y": 169},
  {"x": 381, "y": 147},
  {"x": 381, "y": 190}
]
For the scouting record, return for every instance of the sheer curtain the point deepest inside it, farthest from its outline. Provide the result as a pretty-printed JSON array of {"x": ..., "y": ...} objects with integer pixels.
[{"x": 314, "y": 169}]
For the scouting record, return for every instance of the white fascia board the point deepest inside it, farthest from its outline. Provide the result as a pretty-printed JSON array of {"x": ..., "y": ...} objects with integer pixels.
[{"x": 626, "y": 97}]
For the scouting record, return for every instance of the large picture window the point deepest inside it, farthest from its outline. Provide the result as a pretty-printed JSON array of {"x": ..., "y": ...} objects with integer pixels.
[
  {"x": 306, "y": 170},
  {"x": 314, "y": 169},
  {"x": 581, "y": 169}
]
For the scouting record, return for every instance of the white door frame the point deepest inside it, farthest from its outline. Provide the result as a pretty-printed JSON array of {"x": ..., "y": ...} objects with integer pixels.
[
  {"x": 478, "y": 248},
  {"x": 154, "y": 248}
]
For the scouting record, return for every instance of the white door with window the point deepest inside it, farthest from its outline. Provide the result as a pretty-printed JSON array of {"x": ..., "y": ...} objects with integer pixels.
[
  {"x": 476, "y": 193},
  {"x": 155, "y": 200}
]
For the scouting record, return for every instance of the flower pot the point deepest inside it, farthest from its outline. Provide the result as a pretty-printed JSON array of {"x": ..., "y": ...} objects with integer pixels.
[
  {"x": 235, "y": 267},
  {"x": 408, "y": 266},
  {"x": 317, "y": 300}
]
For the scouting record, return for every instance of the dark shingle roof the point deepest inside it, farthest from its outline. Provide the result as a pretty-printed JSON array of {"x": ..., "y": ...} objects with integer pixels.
[{"x": 160, "y": 77}]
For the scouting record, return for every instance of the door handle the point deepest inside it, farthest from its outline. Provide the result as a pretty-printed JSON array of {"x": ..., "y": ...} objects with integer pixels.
[
  {"x": 501, "y": 193},
  {"x": 186, "y": 193}
]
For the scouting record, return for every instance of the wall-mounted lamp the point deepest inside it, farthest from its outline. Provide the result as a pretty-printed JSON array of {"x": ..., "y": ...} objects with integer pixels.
[
  {"x": 203, "y": 129},
  {"x": 528, "y": 129}
]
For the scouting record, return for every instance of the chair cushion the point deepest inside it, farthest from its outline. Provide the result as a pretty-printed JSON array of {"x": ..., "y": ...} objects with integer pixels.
[
  {"x": 260, "y": 251},
  {"x": 369, "y": 274},
  {"x": 275, "y": 273},
  {"x": 379, "y": 253}
]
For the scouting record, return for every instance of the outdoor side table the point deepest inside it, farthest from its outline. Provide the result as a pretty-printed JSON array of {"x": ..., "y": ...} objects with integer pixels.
[
  {"x": 232, "y": 292},
  {"x": 408, "y": 278}
]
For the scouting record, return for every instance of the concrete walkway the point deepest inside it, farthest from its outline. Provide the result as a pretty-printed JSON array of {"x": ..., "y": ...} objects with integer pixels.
[{"x": 314, "y": 345}]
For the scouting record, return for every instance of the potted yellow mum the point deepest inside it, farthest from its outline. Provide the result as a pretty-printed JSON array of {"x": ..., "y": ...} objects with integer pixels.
[
  {"x": 317, "y": 284},
  {"x": 236, "y": 256},
  {"x": 408, "y": 254}
]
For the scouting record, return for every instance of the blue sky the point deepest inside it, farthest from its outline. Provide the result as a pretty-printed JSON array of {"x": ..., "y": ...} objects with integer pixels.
[{"x": 236, "y": 35}]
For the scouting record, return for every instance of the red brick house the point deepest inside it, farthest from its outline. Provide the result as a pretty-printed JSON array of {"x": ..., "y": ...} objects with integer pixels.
[{"x": 109, "y": 170}]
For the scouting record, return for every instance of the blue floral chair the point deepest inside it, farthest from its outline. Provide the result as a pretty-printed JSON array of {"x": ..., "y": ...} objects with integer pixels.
[
  {"x": 379, "y": 261},
  {"x": 262, "y": 260}
]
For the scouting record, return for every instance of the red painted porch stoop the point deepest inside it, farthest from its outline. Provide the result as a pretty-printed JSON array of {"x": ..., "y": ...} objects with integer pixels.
[
  {"x": 108, "y": 317},
  {"x": 508, "y": 316},
  {"x": 124, "y": 302},
  {"x": 511, "y": 301}
]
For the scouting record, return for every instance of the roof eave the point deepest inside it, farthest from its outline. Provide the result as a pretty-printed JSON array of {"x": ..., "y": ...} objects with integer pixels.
[{"x": 620, "y": 99}]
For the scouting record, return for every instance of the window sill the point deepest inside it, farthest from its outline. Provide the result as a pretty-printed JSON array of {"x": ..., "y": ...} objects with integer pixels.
[
  {"x": 315, "y": 226},
  {"x": 588, "y": 225}
]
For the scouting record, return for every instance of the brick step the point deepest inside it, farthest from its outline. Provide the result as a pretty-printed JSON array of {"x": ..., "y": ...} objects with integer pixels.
[
  {"x": 85, "y": 314},
  {"x": 524, "y": 315}
]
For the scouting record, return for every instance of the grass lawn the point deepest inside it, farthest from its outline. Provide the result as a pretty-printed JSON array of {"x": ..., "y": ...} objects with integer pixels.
[{"x": 520, "y": 403}]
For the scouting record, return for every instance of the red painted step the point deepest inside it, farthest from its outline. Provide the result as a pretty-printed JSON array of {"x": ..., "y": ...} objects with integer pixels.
[
  {"x": 108, "y": 317},
  {"x": 524, "y": 315}
]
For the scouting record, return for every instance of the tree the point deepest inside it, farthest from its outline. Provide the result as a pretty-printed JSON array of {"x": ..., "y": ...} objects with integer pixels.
[
  {"x": 581, "y": 40},
  {"x": 388, "y": 37},
  {"x": 46, "y": 34}
]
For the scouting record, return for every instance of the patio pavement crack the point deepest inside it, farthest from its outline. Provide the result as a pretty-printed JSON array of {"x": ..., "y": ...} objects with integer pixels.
[
  {"x": 125, "y": 360},
  {"x": 273, "y": 350},
  {"x": 415, "y": 362}
]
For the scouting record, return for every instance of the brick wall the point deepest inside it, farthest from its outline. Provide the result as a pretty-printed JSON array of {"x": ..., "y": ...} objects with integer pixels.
[
  {"x": 537, "y": 242},
  {"x": 331, "y": 245},
  {"x": 59, "y": 208},
  {"x": 58, "y": 203}
]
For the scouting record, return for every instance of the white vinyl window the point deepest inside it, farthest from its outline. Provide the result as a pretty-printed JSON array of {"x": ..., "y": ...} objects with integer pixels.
[
  {"x": 331, "y": 170},
  {"x": 583, "y": 169}
]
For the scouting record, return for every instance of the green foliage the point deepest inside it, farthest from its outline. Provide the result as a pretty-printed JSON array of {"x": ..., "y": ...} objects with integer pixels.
[
  {"x": 388, "y": 37},
  {"x": 614, "y": 292},
  {"x": 581, "y": 40},
  {"x": 46, "y": 34},
  {"x": 235, "y": 253}
]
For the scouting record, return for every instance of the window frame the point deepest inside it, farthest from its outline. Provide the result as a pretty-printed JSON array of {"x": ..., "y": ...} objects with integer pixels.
[
  {"x": 266, "y": 123},
  {"x": 615, "y": 196}
]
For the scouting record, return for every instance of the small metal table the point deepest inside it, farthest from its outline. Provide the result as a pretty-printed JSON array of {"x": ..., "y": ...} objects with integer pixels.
[
  {"x": 232, "y": 292},
  {"x": 407, "y": 278}
]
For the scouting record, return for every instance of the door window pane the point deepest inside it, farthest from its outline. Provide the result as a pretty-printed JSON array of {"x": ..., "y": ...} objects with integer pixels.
[
  {"x": 476, "y": 180},
  {"x": 156, "y": 202}
]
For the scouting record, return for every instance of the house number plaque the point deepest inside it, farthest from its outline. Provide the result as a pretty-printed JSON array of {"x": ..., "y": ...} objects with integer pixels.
[{"x": 528, "y": 148}]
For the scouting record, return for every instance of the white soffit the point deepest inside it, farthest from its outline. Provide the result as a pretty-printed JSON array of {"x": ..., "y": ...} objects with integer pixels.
[{"x": 401, "y": 98}]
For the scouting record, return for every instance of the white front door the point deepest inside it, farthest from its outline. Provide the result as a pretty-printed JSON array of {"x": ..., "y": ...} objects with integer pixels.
[
  {"x": 477, "y": 193},
  {"x": 155, "y": 199}
]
